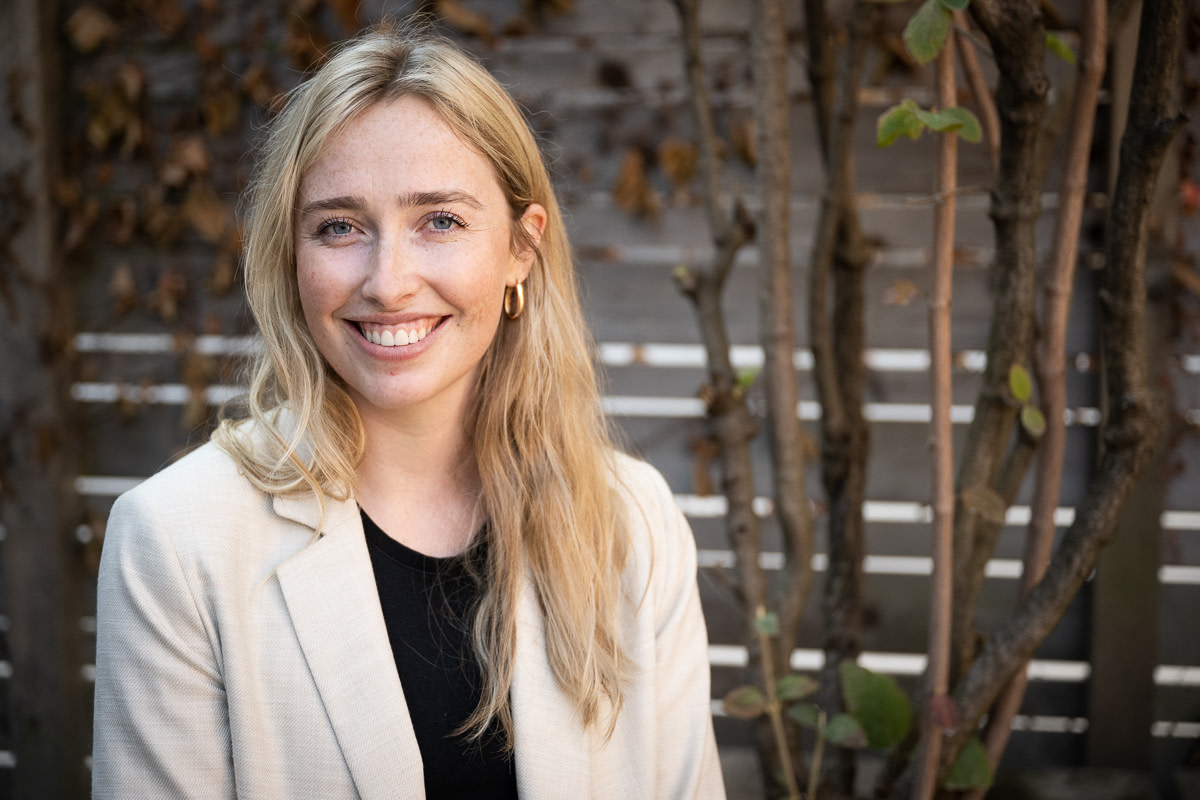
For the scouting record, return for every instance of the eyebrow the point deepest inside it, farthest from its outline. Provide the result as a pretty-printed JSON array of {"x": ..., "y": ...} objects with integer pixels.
[{"x": 406, "y": 200}]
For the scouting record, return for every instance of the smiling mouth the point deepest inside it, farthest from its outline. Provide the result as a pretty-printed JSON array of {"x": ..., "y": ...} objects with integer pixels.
[{"x": 396, "y": 335}]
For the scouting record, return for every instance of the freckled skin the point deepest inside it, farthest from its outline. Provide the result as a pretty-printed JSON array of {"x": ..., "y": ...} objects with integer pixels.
[{"x": 400, "y": 223}]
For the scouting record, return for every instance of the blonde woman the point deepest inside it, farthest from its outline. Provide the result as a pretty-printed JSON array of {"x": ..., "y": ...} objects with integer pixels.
[{"x": 416, "y": 567}]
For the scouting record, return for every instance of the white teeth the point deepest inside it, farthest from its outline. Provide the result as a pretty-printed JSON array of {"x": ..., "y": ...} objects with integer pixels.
[{"x": 397, "y": 338}]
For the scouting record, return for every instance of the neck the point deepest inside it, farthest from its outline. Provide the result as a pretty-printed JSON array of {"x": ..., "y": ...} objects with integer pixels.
[{"x": 418, "y": 481}]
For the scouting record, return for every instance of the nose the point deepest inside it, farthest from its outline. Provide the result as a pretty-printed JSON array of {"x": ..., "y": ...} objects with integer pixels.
[{"x": 393, "y": 274}]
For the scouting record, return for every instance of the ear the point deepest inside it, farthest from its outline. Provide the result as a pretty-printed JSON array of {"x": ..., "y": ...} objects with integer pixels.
[{"x": 533, "y": 222}]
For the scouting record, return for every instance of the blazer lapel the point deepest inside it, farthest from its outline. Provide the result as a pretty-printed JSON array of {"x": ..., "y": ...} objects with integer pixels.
[
  {"x": 553, "y": 749},
  {"x": 329, "y": 588}
]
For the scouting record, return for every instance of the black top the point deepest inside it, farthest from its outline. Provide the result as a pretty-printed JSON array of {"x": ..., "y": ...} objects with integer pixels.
[{"x": 428, "y": 604}]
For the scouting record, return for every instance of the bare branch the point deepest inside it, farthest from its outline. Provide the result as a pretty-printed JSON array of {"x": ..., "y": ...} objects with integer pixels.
[
  {"x": 777, "y": 331},
  {"x": 1017, "y": 37},
  {"x": 1131, "y": 431},
  {"x": 979, "y": 88},
  {"x": 941, "y": 442},
  {"x": 1049, "y": 355}
]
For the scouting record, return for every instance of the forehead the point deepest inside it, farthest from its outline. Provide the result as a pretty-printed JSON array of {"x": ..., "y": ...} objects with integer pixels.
[{"x": 399, "y": 146}]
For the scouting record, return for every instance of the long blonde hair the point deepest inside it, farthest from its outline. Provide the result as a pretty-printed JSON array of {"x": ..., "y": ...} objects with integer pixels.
[{"x": 542, "y": 445}]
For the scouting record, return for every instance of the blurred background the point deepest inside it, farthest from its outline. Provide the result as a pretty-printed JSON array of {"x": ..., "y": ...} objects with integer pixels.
[{"x": 125, "y": 148}]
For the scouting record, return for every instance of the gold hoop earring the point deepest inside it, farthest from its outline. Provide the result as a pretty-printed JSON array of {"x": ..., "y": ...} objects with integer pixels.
[{"x": 514, "y": 301}]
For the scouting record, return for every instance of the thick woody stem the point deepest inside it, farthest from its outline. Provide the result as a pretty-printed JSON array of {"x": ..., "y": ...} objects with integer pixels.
[{"x": 1049, "y": 355}]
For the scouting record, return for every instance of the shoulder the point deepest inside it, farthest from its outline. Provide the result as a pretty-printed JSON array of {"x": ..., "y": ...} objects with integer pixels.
[
  {"x": 203, "y": 478},
  {"x": 662, "y": 547},
  {"x": 197, "y": 508}
]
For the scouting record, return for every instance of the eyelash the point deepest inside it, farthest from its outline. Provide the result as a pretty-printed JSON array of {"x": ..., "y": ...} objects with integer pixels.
[
  {"x": 445, "y": 214},
  {"x": 323, "y": 228}
]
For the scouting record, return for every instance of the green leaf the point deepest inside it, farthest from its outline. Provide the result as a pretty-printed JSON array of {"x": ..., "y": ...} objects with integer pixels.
[
  {"x": 898, "y": 121},
  {"x": 925, "y": 34},
  {"x": 794, "y": 686},
  {"x": 844, "y": 730},
  {"x": 1020, "y": 384},
  {"x": 747, "y": 376},
  {"x": 970, "y": 770},
  {"x": 1060, "y": 48},
  {"x": 1032, "y": 421},
  {"x": 805, "y": 715},
  {"x": 745, "y": 702},
  {"x": 877, "y": 702},
  {"x": 956, "y": 5},
  {"x": 969, "y": 129},
  {"x": 767, "y": 623},
  {"x": 952, "y": 120},
  {"x": 985, "y": 502}
]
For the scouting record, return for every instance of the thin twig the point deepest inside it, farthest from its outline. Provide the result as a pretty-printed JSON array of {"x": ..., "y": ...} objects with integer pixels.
[
  {"x": 979, "y": 88},
  {"x": 938, "y": 672},
  {"x": 775, "y": 709}
]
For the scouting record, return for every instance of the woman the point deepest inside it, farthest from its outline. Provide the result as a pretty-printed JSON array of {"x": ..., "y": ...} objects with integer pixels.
[{"x": 417, "y": 567}]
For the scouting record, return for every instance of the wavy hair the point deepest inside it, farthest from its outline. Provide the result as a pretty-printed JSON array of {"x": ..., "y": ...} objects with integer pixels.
[{"x": 543, "y": 447}]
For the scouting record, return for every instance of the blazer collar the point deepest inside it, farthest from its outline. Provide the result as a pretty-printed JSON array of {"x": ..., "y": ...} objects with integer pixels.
[{"x": 331, "y": 596}]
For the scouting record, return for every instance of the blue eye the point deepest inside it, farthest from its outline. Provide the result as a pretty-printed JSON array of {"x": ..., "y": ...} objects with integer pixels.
[
  {"x": 444, "y": 221},
  {"x": 336, "y": 227}
]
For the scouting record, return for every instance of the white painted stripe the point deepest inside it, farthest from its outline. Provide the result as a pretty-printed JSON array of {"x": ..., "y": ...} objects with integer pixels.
[
  {"x": 105, "y": 485},
  {"x": 912, "y": 664},
  {"x": 1175, "y": 675},
  {"x": 902, "y": 664},
  {"x": 169, "y": 394},
  {"x": 1181, "y": 520},
  {"x": 714, "y": 505},
  {"x": 626, "y": 406},
  {"x": 1176, "y": 730},
  {"x": 872, "y": 565},
  {"x": 1179, "y": 575},
  {"x": 897, "y": 511},
  {"x": 163, "y": 343},
  {"x": 1049, "y": 724},
  {"x": 612, "y": 354}
]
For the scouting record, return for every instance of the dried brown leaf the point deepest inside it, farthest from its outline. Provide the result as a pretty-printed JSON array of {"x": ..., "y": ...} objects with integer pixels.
[
  {"x": 222, "y": 109},
  {"x": 743, "y": 131},
  {"x": 304, "y": 44},
  {"x": 167, "y": 15},
  {"x": 678, "y": 160},
  {"x": 463, "y": 19},
  {"x": 123, "y": 289},
  {"x": 900, "y": 293},
  {"x": 207, "y": 214},
  {"x": 79, "y": 224},
  {"x": 633, "y": 192},
  {"x": 347, "y": 13},
  {"x": 131, "y": 81},
  {"x": 89, "y": 28},
  {"x": 122, "y": 220},
  {"x": 172, "y": 287},
  {"x": 256, "y": 83}
]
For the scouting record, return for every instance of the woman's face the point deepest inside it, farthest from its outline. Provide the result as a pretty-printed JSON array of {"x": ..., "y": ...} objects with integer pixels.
[{"x": 403, "y": 250}]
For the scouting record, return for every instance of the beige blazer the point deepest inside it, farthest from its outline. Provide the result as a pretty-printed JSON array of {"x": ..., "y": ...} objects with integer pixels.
[{"x": 241, "y": 654}]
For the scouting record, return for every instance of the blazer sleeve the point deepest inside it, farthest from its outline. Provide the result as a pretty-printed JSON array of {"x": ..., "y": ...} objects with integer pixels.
[
  {"x": 689, "y": 766},
  {"x": 161, "y": 721}
]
